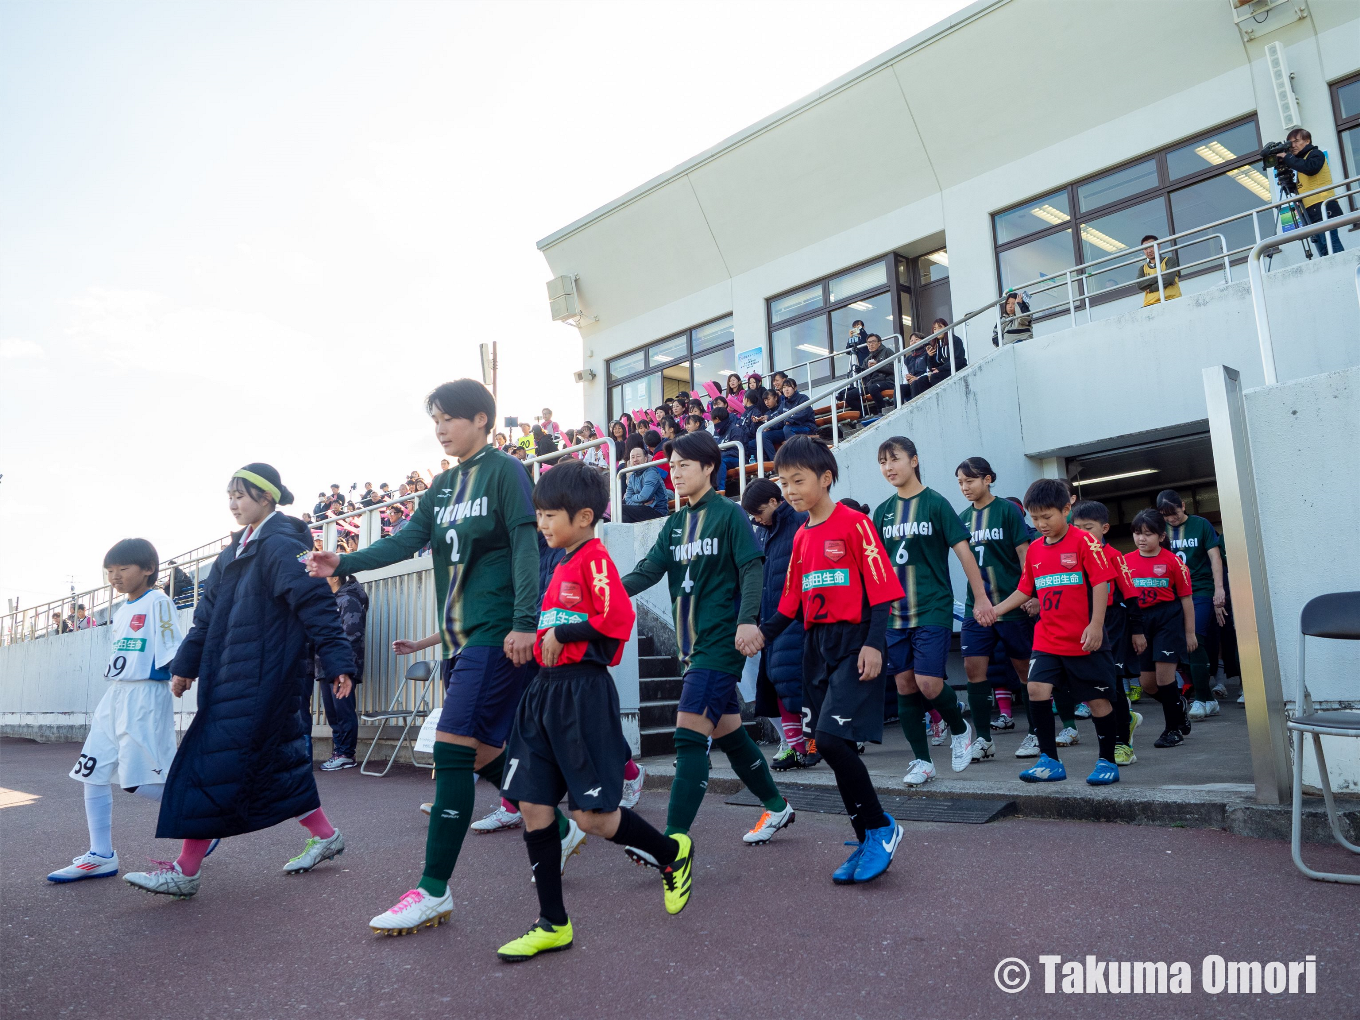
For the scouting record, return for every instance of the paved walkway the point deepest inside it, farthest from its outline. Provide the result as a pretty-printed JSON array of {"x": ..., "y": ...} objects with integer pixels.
[{"x": 766, "y": 935}]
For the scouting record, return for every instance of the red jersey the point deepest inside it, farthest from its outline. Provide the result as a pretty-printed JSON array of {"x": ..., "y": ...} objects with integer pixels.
[
  {"x": 586, "y": 589},
  {"x": 1123, "y": 578},
  {"x": 834, "y": 566},
  {"x": 1062, "y": 575},
  {"x": 1160, "y": 578},
  {"x": 664, "y": 466}
]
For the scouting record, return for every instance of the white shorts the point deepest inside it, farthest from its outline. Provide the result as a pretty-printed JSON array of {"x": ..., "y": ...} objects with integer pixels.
[{"x": 132, "y": 733}]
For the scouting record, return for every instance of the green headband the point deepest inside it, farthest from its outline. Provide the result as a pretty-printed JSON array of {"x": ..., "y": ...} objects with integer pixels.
[{"x": 263, "y": 483}]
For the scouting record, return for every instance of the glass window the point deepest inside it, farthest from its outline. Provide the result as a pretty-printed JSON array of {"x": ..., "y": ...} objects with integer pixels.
[
  {"x": 934, "y": 266},
  {"x": 626, "y": 365},
  {"x": 675, "y": 379},
  {"x": 1221, "y": 147},
  {"x": 1045, "y": 257},
  {"x": 714, "y": 333},
  {"x": 859, "y": 281},
  {"x": 876, "y": 312},
  {"x": 668, "y": 352},
  {"x": 903, "y": 273},
  {"x": 1350, "y": 145},
  {"x": 936, "y": 304},
  {"x": 1348, "y": 98},
  {"x": 1215, "y": 199},
  {"x": 640, "y": 394},
  {"x": 796, "y": 303},
  {"x": 714, "y": 366},
  {"x": 796, "y": 344},
  {"x": 1042, "y": 212},
  {"x": 1116, "y": 232},
  {"x": 1132, "y": 180}
]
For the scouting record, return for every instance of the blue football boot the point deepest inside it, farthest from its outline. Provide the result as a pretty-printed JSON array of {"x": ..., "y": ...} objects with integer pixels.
[
  {"x": 845, "y": 874},
  {"x": 1045, "y": 770},
  {"x": 879, "y": 847},
  {"x": 1105, "y": 773}
]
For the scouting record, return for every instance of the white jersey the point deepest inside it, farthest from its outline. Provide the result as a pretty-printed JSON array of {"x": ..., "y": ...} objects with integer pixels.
[{"x": 146, "y": 636}]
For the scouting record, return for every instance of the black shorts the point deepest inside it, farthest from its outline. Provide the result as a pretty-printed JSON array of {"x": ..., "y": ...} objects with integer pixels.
[
  {"x": 1080, "y": 677},
  {"x": 567, "y": 739},
  {"x": 1164, "y": 627},
  {"x": 1118, "y": 642},
  {"x": 835, "y": 701}
]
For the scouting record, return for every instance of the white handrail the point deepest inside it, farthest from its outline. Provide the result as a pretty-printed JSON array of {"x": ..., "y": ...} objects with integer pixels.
[{"x": 615, "y": 505}]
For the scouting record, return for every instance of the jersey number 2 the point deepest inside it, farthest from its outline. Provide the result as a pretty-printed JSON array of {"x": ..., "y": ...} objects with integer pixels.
[{"x": 451, "y": 537}]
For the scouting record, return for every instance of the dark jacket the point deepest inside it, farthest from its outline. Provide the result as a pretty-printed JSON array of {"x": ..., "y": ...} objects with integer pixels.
[
  {"x": 783, "y": 658},
  {"x": 352, "y": 601},
  {"x": 803, "y": 418},
  {"x": 645, "y": 488},
  {"x": 243, "y": 764}
]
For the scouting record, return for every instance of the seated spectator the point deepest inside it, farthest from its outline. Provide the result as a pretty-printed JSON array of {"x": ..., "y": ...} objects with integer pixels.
[
  {"x": 653, "y": 442},
  {"x": 929, "y": 367},
  {"x": 84, "y": 621},
  {"x": 350, "y": 507},
  {"x": 569, "y": 439},
  {"x": 444, "y": 464},
  {"x": 384, "y": 492},
  {"x": 679, "y": 407},
  {"x": 306, "y": 517},
  {"x": 370, "y": 495},
  {"x": 415, "y": 482},
  {"x": 670, "y": 428},
  {"x": 316, "y": 544},
  {"x": 951, "y": 342},
  {"x": 877, "y": 383},
  {"x": 801, "y": 422},
  {"x": 777, "y": 381},
  {"x": 628, "y": 423},
  {"x": 723, "y": 424},
  {"x": 733, "y": 389},
  {"x": 501, "y": 442},
  {"x": 404, "y": 490},
  {"x": 695, "y": 406},
  {"x": 544, "y": 443},
  {"x": 1016, "y": 324},
  {"x": 645, "y": 498},
  {"x": 526, "y": 439},
  {"x": 660, "y": 411},
  {"x": 319, "y": 510},
  {"x": 917, "y": 366},
  {"x": 59, "y": 626},
  {"x": 519, "y": 453},
  {"x": 619, "y": 433},
  {"x": 694, "y": 422},
  {"x": 755, "y": 381}
]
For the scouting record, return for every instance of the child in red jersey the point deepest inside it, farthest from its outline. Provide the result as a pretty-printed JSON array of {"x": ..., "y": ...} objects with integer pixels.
[
  {"x": 1123, "y": 620},
  {"x": 1070, "y": 574},
  {"x": 841, "y": 583},
  {"x": 1165, "y": 594},
  {"x": 567, "y": 738}
]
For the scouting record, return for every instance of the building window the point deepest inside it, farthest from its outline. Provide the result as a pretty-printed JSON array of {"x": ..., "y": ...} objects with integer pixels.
[
  {"x": 1198, "y": 181},
  {"x": 1346, "y": 109},
  {"x": 642, "y": 379}
]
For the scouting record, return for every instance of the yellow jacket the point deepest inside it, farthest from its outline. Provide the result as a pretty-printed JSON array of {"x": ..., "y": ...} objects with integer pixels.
[{"x": 1171, "y": 281}]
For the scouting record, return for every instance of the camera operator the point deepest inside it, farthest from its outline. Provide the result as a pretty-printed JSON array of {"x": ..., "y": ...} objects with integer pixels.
[
  {"x": 1170, "y": 272},
  {"x": 1310, "y": 163}
]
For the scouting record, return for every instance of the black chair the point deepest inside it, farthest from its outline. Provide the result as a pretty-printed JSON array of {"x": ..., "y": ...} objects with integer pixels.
[{"x": 1335, "y": 616}]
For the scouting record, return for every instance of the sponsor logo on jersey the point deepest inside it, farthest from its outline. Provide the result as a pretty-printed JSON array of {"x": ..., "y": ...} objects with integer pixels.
[
  {"x": 569, "y": 594},
  {"x": 130, "y": 644},
  {"x": 1058, "y": 580},
  {"x": 686, "y": 551},
  {"x": 1151, "y": 582},
  {"x": 1159, "y": 569},
  {"x": 556, "y": 617},
  {"x": 137, "y": 622},
  {"x": 1068, "y": 560},
  {"x": 833, "y": 549},
  {"x": 907, "y": 528},
  {"x": 826, "y": 579},
  {"x": 455, "y": 512}
]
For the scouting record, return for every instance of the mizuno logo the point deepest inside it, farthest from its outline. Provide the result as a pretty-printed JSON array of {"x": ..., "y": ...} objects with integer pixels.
[
  {"x": 157, "y": 771},
  {"x": 704, "y": 785},
  {"x": 1167, "y": 651},
  {"x": 449, "y": 813},
  {"x": 842, "y": 719},
  {"x": 595, "y": 792}
]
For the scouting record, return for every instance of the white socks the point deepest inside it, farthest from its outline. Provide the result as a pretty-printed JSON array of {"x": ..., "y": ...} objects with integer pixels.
[
  {"x": 99, "y": 817},
  {"x": 151, "y": 791}
]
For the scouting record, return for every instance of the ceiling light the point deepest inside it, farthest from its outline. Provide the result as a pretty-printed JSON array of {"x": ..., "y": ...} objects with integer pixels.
[
  {"x": 862, "y": 306},
  {"x": 940, "y": 257},
  {"x": 661, "y": 357},
  {"x": 811, "y": 349},
  {"x": 1049, "y": 214},
  {"x": 1253, "y": 180},
  {"x": 1111, "y": 478},
  {"x": 1103, "y": 241}
]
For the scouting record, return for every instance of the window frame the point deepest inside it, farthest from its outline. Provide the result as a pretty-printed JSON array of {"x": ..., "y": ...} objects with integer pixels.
[
  {"x": 691, "y": 352},
  {"x": 1165, "y": 187},
  {"x": 1343, "y": 124}
]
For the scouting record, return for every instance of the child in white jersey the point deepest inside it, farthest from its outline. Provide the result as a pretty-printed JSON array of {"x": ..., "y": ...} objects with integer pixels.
[{"x": 132, "y": 732}]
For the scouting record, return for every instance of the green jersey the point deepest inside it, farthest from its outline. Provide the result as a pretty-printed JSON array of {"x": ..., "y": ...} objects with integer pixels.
[
  {"x": 701, "y": 550},
  {"x": 1192, "y": 541},
  {"x": 478, "y": 520},
  {"x": 918, "y": 534},
  {"x": 996, "y": 530}
]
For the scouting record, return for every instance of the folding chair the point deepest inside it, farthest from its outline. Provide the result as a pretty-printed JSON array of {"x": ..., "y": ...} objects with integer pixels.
[
  {"x": 419, "y": 673},
  {"x": 1335, "y": 616}
]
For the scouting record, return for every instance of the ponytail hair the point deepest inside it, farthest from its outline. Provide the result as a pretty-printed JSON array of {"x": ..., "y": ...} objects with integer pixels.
[
  {"x": 904, "y": 446},
  {"x": 261, "y": 482}
]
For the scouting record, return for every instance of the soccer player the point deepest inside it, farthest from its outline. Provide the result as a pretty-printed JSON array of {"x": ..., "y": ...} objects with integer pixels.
[
  {"x": 1123, "y": 620},
  {"x": 567, "y": 738},
  {"x": 1165, "y": 594},
  {"x": 841, "y": 584},
  {"x": 132, "y": 731},
  {"x": 1199, "y": 547},
  {"x": 919, "y": 527},
  {"x": 245, "y": 762},
  {"x": 708, "y": 555},
  {"x": 998, "y": 540},
  {"x": 1070, "y": 574}
]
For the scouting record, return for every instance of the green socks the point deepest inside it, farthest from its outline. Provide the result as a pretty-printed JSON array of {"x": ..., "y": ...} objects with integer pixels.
[
  {"x": 751, "y": 767},
  {"x": 1066, "y": 708},
  {"x": 911, "y": 713},
  {"x": 691, "y": 780},
  {"x": 1198, "y": 662},
  {"x": 494, "y": 771},
  {"x": 980, "y": 703},
  {"x": 947, "y": 704},
  {"x": 450, "y": 816}
]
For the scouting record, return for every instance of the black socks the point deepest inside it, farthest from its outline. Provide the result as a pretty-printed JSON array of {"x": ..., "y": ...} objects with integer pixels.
[
  {"x": 1170, "y": 697},
  {"x": 1107, "y": 729},
  {"x": 637, "y": 832},
  {"x": 852, "y": 779},
  {"x": 545, "y": 857},
  {"x": 1041, "y": 712}
]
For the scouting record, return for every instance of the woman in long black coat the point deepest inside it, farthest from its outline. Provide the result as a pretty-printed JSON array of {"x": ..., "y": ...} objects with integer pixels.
[{"x": 244, "y": 764}]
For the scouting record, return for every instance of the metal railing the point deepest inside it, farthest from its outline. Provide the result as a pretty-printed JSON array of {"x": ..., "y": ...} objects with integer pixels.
[
  {"x": 615, "y": 504},
  {"x": 629, "y": 469}
]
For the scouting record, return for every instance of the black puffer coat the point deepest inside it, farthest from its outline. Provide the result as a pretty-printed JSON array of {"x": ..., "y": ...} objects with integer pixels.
[
  {"x": 781, "y": 663},
  {"x": 243, "y": 764}
]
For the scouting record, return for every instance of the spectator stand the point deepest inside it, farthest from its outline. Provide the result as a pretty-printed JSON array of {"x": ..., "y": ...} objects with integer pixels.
[
  {"x": 737, "y": 474},
  {"x": 537, "y": 465}
]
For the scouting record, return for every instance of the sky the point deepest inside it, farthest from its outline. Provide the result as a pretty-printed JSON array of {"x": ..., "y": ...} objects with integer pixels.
[{"x": 235, "y": 232}]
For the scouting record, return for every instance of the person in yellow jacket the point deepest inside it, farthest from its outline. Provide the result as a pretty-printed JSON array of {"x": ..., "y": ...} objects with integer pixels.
[
  {"x": 1170, "y": 271},
  {"x": 1310, "y": 163}
]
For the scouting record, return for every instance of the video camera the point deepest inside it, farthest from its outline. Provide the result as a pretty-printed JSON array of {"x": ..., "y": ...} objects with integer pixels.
[{"x": 1284, "y": 176}]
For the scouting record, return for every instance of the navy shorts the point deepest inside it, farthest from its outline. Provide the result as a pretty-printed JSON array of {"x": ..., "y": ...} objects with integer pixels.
[
  {"x": 923, "y": 650},
  {"x": 1164, "y": 628},
  {"x": 710, "y": 693},
  {"x": 1080, "y": 677},
  {"x": 1204, "y": 613},
  {"x": 1015, "y": 636},
  {"x": 568, "y": 739},
  {"x": 482, "y": 688}
]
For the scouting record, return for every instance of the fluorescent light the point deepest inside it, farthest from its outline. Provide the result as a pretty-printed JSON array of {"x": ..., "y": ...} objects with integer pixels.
[
  {"x": 812, "y": 349},
  {"x": 940, "y": 258},
  {"x": 1111, "y": 478},
  {"x": 661, "y": 357},
  {"x": 862, "y": 306},
  {"x": 1049, "y": 214},
  {"x": 1249, "y": 177},
  {"x": 1102, "y": 241}
]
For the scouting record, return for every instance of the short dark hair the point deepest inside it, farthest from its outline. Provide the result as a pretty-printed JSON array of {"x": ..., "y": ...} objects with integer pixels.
[
  {"x": 572, "y": 486},
  {"x": 1147, "y": 238},
  {"x": 975, "y": 467},
  {"x": 463, "y": 398},
  {"x": 698, "y": 419},
  {"x": 1149, "y": 520},
  {"x": 779, "y": 373},
  {"x": 1299, "y": 132},
  {"x": 1047, "y": 494},
  {"x": 651, "y": 438},
  {"x": 809, "y": 453},
  {"x": 701, "y": 447},
  {"x": 759, "y": 491},
  {"x": 1091, "y": 510},
  {"x": 789, "y": 381},
  {"x": 1170, "y": 498},
  {"x": 135, "y": 551}
]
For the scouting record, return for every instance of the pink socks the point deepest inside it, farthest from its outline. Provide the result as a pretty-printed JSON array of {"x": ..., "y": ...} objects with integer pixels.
[
  {"x": 191, "y": 857},
  {"x": 792, "y": 726},
  {"x": 317, "y": 824},
  {"x": 1003, "y": 700},
  {"x": 509, "y": 807},
  {"x": 630, "y": 770}
]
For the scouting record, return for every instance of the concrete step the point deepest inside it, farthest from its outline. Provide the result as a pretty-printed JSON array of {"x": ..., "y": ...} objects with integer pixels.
[
  {"x": 660, "y": 740},
  {"x": 658, "y": 666},
  {"x": 657, "y": 714},
  {"x": 666, "y": 688},
  {"x": 646, "y": 644}
]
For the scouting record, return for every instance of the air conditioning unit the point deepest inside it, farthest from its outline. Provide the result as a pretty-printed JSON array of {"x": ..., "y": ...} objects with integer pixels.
[
  {"x": 584, "y": 375},
  {"x": 562, "y": 299}
]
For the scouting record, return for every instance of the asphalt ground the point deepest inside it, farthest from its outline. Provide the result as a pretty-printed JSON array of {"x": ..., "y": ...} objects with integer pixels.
[{"x": 766, "y": 934}]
